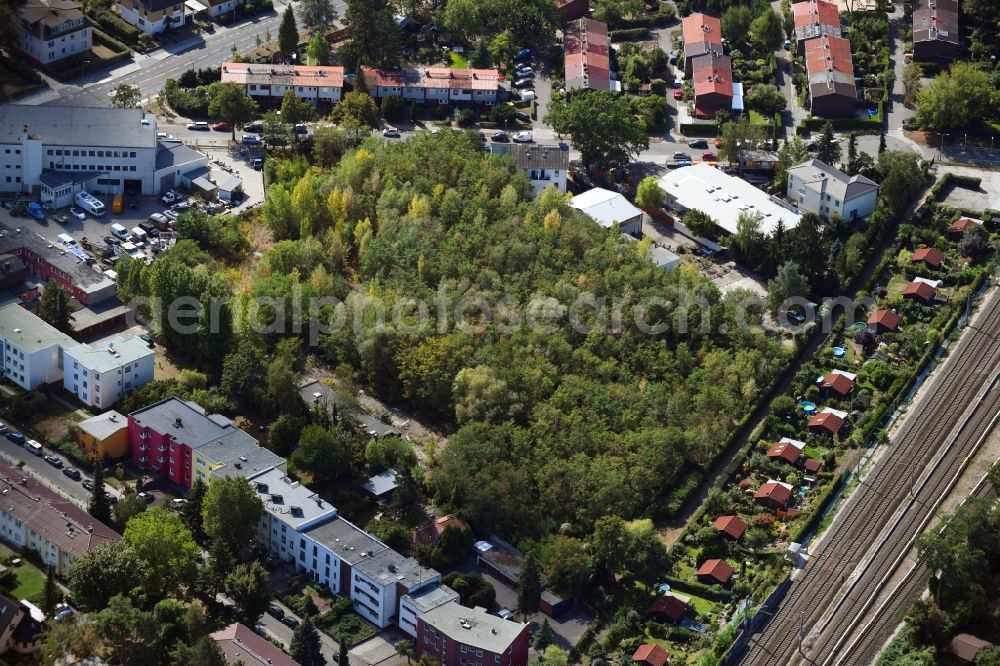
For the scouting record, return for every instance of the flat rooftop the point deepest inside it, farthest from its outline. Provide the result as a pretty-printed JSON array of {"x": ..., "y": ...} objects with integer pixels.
[
  {"x": 431, "y": 597},
  {"x": 388, "y": 566},
  {"x": 239, "y": 454},
  {"x": 29, "y": 332},
  {"x": 110, "y": 353},
  {"x": 348, "y": 541},
  {"x": 78, "y": 125},
  {"x": 86, "y": 278},
  {"x": 290, "y": 501},
  {"x": 474, "y": 626}
]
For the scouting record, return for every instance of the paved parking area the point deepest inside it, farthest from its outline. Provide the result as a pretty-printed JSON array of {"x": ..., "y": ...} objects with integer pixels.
[{"x": 987, "y": 196}]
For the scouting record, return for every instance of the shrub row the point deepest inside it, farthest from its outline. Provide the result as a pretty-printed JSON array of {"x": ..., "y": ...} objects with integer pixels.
[
  {"x": 710, "y": 592},
  {"x": 628, "y": 34},
  {"x": 824, "y": 502},
  {"x": 103, "y": 39},
  {"x": 116, "y": 27},
  {"x": 699, "y": 129},
  {"x": 811, "y": 124},
  {"x": 953, "y": 179}
]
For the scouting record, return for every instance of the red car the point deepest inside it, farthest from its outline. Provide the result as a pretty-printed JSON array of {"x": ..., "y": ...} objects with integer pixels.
[
  {"x": 708, "y": 157},
  {"x": 221, "y": 127},
  {"x": 678, "y": 93}
]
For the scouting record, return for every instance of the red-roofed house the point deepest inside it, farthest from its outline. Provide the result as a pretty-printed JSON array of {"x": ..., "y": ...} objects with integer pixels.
[
  {"x": 667, "y": 609},
  {"x": 434, "y": 85},
  {"x": 812, "y": 466},
  {"x": 429, "y": 533},
  {"x": 814, "y": 18},
  {"x": 712, "y": 78},
  {"x": 702, "y": 34},
  {"x": 241, "y": 645},
  {"x": 965, "y": 647},
  {"x": 829, "y": 421},
  {"x": 932, "y": 257},
  {"x": 838, "y": 383},
  {"x": 830, "y": 68},
  {"x": 919, "y": 290},
  {"x": 271, "y": 82},
  {"x": 959, "y": 227},
  {"x": 570, "y": 10},
  {"x": 586, "y": 55},
  {"x": 652, "y": 655},
  {"x": 883, "y": 321},
  {"x": 731, "y": 526},
  {"x": 936, "y": 35},
  {"x": 787, "y": 450},
  {"x": 715, "y": 572},
  {"x": 774, "y": 495}
]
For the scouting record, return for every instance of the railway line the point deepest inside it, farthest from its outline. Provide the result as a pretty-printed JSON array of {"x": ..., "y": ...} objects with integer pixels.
[{"x": 943, "y": 426}]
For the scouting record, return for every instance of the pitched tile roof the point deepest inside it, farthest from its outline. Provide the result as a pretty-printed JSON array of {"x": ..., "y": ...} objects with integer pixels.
[
  {"x": 828, "y": 419},
  {"x": 967, "y": 646},
  {"x": 731, "y": 526},
  {"x": 776, "y": 491},
  {"x": 651, "y": 654},
  {"x": 52, "y": 13},
  {"x": 816, "y": 17},
  {"x": 668, "y": 606},
  {"x": 432, "y": 77},
  {"x": 586, "y": 55},
  {"x": 830, "y": 66},
  {"x": 813, "y": 466},
  {"x": 885, "y": 318},
  {"x": 712, "y": 74},
  {"x": 935, "y": 20},
  {"x": 921, "y": 290},
  {"x": 839, "y": 382},
  {"x": 240, "y": 644},
  {"x": 282, "y": 75},
  {"x": 961, "y": 225},
  {"x": 702, "y": 34},
  {"x": 428, "y": 533},
  {"x": 786, "y": 451},
  {"x": 719, "y": 570},
  {"x": 929, "y": 255}
]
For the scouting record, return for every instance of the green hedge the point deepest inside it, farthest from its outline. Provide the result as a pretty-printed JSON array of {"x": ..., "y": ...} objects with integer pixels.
[
  {"x": 114, "y": 26},
  {"x": 709, "y": 592},
  {"x": 814, "y": 518},
  {"x": 812, "y": 124},
  {"x": 102, "y": 38},
  {"x": 628, "y": 34},
  {"x": 952, "y": 179},
  {"x": 699, "y": 129}
]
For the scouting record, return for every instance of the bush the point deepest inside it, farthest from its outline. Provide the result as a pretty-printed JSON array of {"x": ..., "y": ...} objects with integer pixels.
[
  {"x": 464, "y": 117},
  {"x": 392, "y": 107},
  {"x": 502, "y": 113},
  {"x": 109, "y": 42},
  {"x": 473, "y": 590},
  {"x": 658, "y": 86},
  {"x": 628, "y": 34},
  {"x": 710, "y": 592}
]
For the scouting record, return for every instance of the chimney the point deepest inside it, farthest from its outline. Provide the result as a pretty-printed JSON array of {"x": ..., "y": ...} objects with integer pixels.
[{"x": 177, "y": 422}]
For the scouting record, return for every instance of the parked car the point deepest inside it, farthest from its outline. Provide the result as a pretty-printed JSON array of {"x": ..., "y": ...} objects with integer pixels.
[
  {"x": 390, "y": 132},
  {"x": 255, "y": 126},
  {"x": 708, "y": 157},
  {"x": 111, "y": 240},
  {"x": 523, "y": 54},
  {"x": 87, "y": 484},
  {"x": 300, "y": 129},
  {"x": 522, "y": 137},
  {"x": 250, "y": 140},
  {"x": 524, "y": 83},
  {"x": 148, "y": 339},
  {"x": 221, "y": 127},
  {"x": 133, "y": 203},
  {"x": 160, "y": 220},
  {"x": 55, "y": 461},
  {"x": 500, "y": 137},
  {"x": 200, "y": 126},
  {"x": 678, "y": 93},
  {"x": 698, "y": 143},
  {"x": 62, "y": 611},
  {"x": 149, "y": 228},
  {"x": 289, "y": 622},
  {"x": 170, "y": 214},
  {"x": 177, "y": 503},
  {"x": 683, "y": 163},
  {"x": 72, "y": 472},
  {"x": 3, "y": 428},
  {"x": 276, "y": 611},
  {"x": 681, "y": 155},
  {"x": 811, "y": 146},
  {"x": 16, "y": 437},
  {"x": 77, "y": 213},
  {"x": 146, "y": 497},
  {"x": 523, "y": 117},
  {"x": 525, "y": 72},
  {"x": 169, "y": 197},
  {"x": 678, "y": 83}
]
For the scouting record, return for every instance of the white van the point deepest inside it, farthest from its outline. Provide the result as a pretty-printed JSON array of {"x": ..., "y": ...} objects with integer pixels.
[
  {"x": 120, "y": 231},
  {"x": 89, "y": 203},
  {"x": 139, "y": 235},
  {"x": 33, "y": 447}
]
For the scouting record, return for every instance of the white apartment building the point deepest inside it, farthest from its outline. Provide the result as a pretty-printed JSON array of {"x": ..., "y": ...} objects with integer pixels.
[
  {"x": 155, "y": 16},
  {"x": 101, "y": 373},
  {"x": 53, "y": 152},
  {"x": 51, "y": 30},
  {"x": 271, "y": 82},
  {"x": 380, "y": 580},
  {"x": 416, "y": 605},
  {"x": 822, "y": 189},
  {"x": 32, "y": 349},
  {"x": 434, "y": 85},
  {"x": 544, "y": 165},
  {"x": 291, "y": 508}
]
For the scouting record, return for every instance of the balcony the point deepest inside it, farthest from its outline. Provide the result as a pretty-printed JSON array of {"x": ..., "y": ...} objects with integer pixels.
[
  {"x": 143, "y": 460},
  {"x": 160, "y": 460},
  {"x": 144, "y": 447},
  {"x": 161, "y": 447}
]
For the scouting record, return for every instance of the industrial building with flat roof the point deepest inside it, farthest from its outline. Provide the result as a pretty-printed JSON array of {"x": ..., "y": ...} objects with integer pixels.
[
  {"x": 99, "y": 374},
  {"x": 723, "y": 197}
]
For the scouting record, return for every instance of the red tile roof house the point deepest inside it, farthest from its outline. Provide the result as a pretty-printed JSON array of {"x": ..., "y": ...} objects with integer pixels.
[
  {"x": 787, "y": 450},
  {"x": 715, "y": 572},
  {"x": 440, "y": 86},
  {"x": 774, "y": 495},
  {"x": 965, "y": 647},
  {"x": 936, "y": 36},
  {"x": 731, "y": 526},
  {"x": 829, "y": 421},
  {"x": 833, "y": 92},
  {"x": 702, "y": 34},
  {"x": 651, "y": 655},
  {"x": 667, "y": 609},
  {"x": 838, "y": 383},
  {"x": 932, "y": 258},
  {"x": 812, "y": 466},
  {"x": 570, "y": 10},
  {"x": 883, "y": 321},
  {"x": 430, "y": 532},
  {"x": 920, "y": 290},
  {"x": 712, "y": 79},
  {"x": 270, "y": 82},
  {"x": 814, "y": 18},
  {"x": 586, "y": 55},
  {"x": 959, "y": 227},
  {"x": 240, "y": 645}
]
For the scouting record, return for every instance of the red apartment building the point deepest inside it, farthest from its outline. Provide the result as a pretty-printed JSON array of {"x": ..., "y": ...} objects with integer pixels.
[{"x": 458, "y": 636}]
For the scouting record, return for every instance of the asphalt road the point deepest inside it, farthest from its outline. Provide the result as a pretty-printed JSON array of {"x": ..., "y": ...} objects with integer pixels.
[{"x": 49, "y": 476}]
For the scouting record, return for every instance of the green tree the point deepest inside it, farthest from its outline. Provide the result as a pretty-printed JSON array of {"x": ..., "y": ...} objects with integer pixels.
[
  {"x": 126, "y": 96},
  {"x": 318, "y": 49},
  {"x": 994, "y": 477},
  {"x": 99, "y": 507},
  {"x": 296, "y": 110},
  {"x": 203, "y": 652},
  {"x": 902, "y": 178},
  {"x": 739, "y": 138},
  {"x": 356, "y": 106},
  {"x": 230, "y": 511},
  {"x": 502, "y": 48},
  {"x": 649, "y": 195},
  {"x": 288, "y": 33},
  {"x": 700, "y": 223},
  {"x": 50, "y": 593},
  {"x": 852, "y": 155},
  {"x": 749, "y": 244},
  {"x": 306, "y": 648},
  {"x": 127, "y": 508},
  {"x": 229, "y": 103},
  {"x": 912, "y": 74},
  {"x": 247, "y": 586},
  {"x": 242, "y": 374},
  {"x": 827, "y": 148},
  {"x": 322, "y": 453},
  {"x": 544, "y": 637},
  {"x": 461, "y": 19},
  {"x": 316, "y": 15},
  {"x": 191, "y": 511},
  {"x": 757, "y": 539},
  {"x": 165, "y": 546},
  {"x": 343, "y": 659},
  {"x": 127, "y": 633},
  {"x": 602, "y": 126},
  {"x": 391, "y": 107},
  {"x": 405, "y": 649},
  {"x": 788, "y": 283},
  {"x": 568, "y": 565},
  {"x": 988, "y": 656},
  {"x": 766, "y": 31},
  {"x": 53, "y": 306},
  {"x": 955, "y": 99},
  {"x": 529, "y": 586},
  {"x": 736, "y": 22},
  {"x": 766, "y": 99},
  {"x": 283, "y": 434},
  {"x": 374, "y": 38},
  {"x": 275, "y": 131},
  {"x": 220, "y": 564},
  {"x": 792, "y": 153}
]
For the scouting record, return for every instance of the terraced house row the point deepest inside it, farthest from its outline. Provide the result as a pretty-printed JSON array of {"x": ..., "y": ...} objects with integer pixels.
[{"x": 833, "y": 91}]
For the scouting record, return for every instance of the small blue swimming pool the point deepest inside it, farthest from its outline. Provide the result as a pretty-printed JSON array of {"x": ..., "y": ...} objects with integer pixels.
[
  {"x": 838, "y": 352},
  {"x": 808, "y": 406}
]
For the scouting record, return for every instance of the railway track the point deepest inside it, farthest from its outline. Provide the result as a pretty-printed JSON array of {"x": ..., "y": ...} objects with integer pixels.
[
  {"x": 937, "y": 420},
  {"x": 870, "y": 638}
]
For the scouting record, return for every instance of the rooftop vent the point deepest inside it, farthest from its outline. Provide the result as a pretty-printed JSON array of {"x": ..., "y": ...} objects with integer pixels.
[
  {"x": 277, "y": 499},
  {"x": 177, "y": 422},
  {"x": 297, "y": 511}
]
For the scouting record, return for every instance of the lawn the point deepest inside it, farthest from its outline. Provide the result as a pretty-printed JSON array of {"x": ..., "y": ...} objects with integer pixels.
[
  {"x": 458, "y": 61},
  {"x": 26, "y": 581},
  {"x": 896, "y": 286},
  {"x": 757, "y": 119}
]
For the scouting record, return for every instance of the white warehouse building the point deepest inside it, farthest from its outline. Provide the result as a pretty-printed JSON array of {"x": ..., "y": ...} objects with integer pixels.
[
  {"x": 53, "y": 152},
  {"x": 101, "y": 373}
]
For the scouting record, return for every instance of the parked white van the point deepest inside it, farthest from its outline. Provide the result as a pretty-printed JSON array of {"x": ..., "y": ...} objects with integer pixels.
[
  {"x": 139, "y": 235},
  {"x": 89, "y": 203},
  {"x": 120, "y": 231},
  {"x": 33, "y": 447}
]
